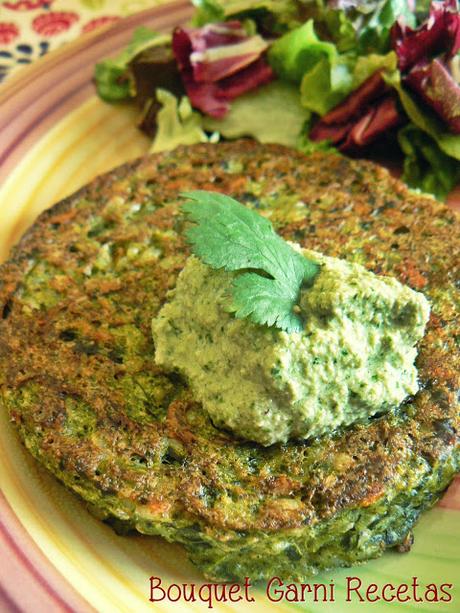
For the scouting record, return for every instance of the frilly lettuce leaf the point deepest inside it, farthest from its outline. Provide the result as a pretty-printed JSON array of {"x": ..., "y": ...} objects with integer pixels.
[
  {"x": 178, "y": 124},
  {"x": 340, "y": 29},
  {"x": 112, "y": 82},
  {"x": 426, "y": 167},
  {"x": 327, "y": 84},
  {"x": 298, "y": 51},
  {"x": 208, "y": 11},
  {"x": 366, "y": 65},
  {"x": 326, "y": 75},
  {"x": 270, "y": 114},
  {"x": 374, "y": 35},
  {"x": 350, "y": 24},
  {"x": 364, "y": 26}
]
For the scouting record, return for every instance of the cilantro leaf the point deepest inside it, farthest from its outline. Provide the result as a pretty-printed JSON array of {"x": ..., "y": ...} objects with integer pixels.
[
  {"x": 228, "y": 235},
  {"x": 265, "y": 301}
]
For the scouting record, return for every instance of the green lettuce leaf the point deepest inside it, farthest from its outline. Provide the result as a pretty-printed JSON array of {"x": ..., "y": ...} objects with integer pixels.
[
  {"x": 331, "y": 80},
  {"x": 274, "y": 15},
  {"x": 425, "y": 119},
  {"x": 308, "y": 146},
  {"x": 374, "y": 34},
  {"x": 177, "y": 124},
  {"x": 327, "y": 84},
  {"x": 326, "y": 75},
  {"x": 359, "y": 26},
  {"x": 298, "y": 51},
  {"x": 366, "y": 65},
  {"x": 426, "y": 167},
  {"x": 270, "y": 114},
  {"x": 208, "y": 11},
  {"x": 422, "y": 8},
  {"x": 340, "y": 29},
  {"x": 112, "y": 81},
  {"x": 364, "y": 27}
]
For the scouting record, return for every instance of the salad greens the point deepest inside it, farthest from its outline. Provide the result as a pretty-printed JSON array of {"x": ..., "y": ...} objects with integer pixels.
[
  {"x": 295, "y": 53},
  {"x": 271, "y": 114},
  {"x": 219, "y": 63},
  {"x": 426, "y": 120},
  {"x": 112, "y": 82},
  {"x": 425, "y": 166},
  {"x": 208, "y": 11},
  {"x": 326, "y": 76},
  {"x": 178, "y": 124},
  {"x": 321, "y": 61},
  {"x": 228, "y": 235},
  {"x": 328, "y": 83},
  {"x": 274, "y": 16},
  {"x": 372, "y": 21}
]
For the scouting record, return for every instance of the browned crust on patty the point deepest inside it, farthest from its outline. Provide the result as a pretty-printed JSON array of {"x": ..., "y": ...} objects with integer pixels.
[{"x": 169, "y": 461}]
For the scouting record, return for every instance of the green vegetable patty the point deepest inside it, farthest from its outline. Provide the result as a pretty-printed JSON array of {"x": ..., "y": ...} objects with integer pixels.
[{"x": 78, "y": 376}]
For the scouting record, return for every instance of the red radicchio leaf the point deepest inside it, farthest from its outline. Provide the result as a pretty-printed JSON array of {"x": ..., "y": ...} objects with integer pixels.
[
  {"x": 216, "y": 35},
  {"x": 360, "y": 119},
  {"x": 430, "y": 78},
  {"x": 439, "y": 34},
  {"x": 219, "y": 62},
  {"x": 370, "y": 90},
  {"x": 252, "y": 76},
  {"x": 335, "y": 133},
  {"x": 213, "y": 98},
  {"x": 433, "y": 82},
  {"x": 377, "y": 121}
]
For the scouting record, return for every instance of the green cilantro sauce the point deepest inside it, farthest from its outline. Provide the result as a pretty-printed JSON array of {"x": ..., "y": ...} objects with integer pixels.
[{"x": 353, "y": 359}]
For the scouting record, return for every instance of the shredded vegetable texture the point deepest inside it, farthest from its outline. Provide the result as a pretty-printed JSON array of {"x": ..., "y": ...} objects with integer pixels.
[{"x": 227, "y": 235}]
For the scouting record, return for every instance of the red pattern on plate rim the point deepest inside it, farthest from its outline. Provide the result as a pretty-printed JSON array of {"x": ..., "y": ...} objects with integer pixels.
[
  {"x": 8, "y": 32},
  {"x": 104, "y": 20},
  {"x": 27, "y": 5},
  {"x": 50, "y": 24}
]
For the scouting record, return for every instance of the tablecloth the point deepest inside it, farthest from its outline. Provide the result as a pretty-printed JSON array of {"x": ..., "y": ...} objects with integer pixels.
[{"x": 31, "y": 28}]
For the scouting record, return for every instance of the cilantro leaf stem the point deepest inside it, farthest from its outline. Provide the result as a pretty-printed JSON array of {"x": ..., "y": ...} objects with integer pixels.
[{"x": 227, "y": 235}]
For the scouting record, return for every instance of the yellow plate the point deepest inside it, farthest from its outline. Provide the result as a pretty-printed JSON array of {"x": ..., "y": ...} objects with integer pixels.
[{"x": 56, "y": 136}]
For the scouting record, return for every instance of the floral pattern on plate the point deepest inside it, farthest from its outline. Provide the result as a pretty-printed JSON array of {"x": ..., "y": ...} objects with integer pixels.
[{"x": 31, "y": 28}]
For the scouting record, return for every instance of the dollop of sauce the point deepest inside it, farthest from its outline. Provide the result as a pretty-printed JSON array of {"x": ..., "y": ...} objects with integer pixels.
[{"x": 354, "y": 357}]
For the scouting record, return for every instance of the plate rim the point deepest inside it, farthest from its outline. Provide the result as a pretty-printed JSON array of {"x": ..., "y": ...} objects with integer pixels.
[
  {"x": 27, "y": 84},
  {"x": 59, "y": 584},
  {"x": 21, "y": 78},
  {"x": 29, "y": 571}
]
